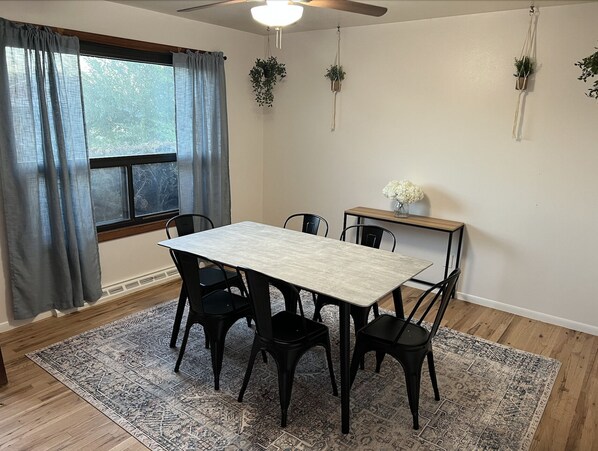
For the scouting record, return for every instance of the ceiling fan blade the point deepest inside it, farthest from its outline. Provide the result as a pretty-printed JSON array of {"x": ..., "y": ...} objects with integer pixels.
[
  {"x": 209, "y": 5},
  {"x": 349, "y": 6}
]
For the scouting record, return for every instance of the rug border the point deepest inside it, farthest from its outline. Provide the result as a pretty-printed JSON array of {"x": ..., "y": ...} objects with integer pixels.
[
  {"x": 152, "y": 444},
  {"x": 121, "y": 421}
]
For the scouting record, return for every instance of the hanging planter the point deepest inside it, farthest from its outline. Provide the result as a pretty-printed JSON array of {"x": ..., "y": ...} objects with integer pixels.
[
  {"x": 336, "y": 75},
  {"x": 264, "y": 76},
  {"x": 589, "y": 69},
  {"x": 524, "y": 68}
]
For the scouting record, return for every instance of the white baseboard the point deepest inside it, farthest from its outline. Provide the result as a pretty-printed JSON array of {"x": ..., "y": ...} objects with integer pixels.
[
  {"x": 117, "y": 290},
  {"x": 532, "y": 314},
  {"x": 109, "y": 293}
]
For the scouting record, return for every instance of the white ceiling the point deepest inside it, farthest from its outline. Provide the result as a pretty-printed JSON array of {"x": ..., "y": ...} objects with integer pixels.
[{"x": 238, "y": 16}]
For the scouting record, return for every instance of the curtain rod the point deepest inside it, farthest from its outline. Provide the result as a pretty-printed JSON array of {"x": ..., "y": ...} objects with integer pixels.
[{"x": 120, "y": 42}]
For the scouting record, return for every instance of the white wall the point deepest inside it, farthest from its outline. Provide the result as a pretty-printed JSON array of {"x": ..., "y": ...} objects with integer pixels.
[
  {"x": 131, "y": 257},
  {"x": 433, "y": 101}
]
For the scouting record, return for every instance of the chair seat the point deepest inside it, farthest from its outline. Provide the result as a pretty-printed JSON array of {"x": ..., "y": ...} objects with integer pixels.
[
  {"x": 223, "y": 303},
  {"x": 385, "y": 328},
  {"x": 290, "y": 328}
]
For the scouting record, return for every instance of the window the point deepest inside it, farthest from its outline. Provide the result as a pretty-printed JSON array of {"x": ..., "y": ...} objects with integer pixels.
[{"x": 130, "y": 126}]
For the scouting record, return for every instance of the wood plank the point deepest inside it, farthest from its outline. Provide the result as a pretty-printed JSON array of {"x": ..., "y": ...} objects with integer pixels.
[
  {"x": 412, "y": 220},
  {"x": 33, "y": 397}
]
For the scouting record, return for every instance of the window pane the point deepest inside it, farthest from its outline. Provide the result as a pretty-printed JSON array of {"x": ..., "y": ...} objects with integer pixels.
[
  {"x": 129, "y": 107},
  {"x": 156, "y": 188},
  {"x": 109, "y": 194}
]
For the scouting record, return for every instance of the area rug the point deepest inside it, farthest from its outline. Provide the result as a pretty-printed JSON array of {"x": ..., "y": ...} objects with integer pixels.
[{"x": 492, "y": 396}]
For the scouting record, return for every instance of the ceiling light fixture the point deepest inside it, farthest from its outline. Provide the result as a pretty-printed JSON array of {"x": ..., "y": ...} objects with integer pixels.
[{"x": 277, "y": 13}]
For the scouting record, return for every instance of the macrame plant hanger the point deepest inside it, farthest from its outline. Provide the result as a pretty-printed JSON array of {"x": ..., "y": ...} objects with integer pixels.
[
  {"x": 267, "y": 51},
  {"x": 527, "y": 51},
  {"x": 337, "y": 62}
]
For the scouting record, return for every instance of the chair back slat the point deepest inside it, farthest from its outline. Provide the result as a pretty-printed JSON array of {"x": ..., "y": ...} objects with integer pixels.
[
  {"x": 188, "y": 266},
  {"x": 189, "y": 223},
  {"x": 441, "y": 292},
  {"x": 310, "y": 223},
  {"x": 259, "y": 295},
  {"x": 369, "y": 235}
]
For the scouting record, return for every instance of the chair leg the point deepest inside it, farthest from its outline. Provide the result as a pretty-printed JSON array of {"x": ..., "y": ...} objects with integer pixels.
[
  {"x": 331, "y": 370},
  {"x": 184, "y": 343},
  {"x": 318, "y": 304},
  {"x": 254, "y": 350},
  {"x": 376, "y": 310},
  {"x": 178, "y": 316},
  {"x": 433, "y": 376},
  {"x": 379, "y": 358},
  {"x": 286, "y": 374},
  {"x": 217, "y": 352},
  {"x": 413, "y": 379}
]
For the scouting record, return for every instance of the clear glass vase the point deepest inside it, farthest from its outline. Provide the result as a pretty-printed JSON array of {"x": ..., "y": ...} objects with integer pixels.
[{"x": 401, "y": 209}]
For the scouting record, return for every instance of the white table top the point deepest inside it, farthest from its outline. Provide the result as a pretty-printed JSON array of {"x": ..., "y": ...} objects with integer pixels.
[{"x": 356, "y": 274}]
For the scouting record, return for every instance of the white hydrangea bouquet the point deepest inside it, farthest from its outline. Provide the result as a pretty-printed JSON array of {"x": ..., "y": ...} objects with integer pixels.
[{"x": 404, "y": 192}]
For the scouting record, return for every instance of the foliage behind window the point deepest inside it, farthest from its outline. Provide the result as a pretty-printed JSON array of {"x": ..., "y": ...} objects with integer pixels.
[{"x": 130, "y": 126}]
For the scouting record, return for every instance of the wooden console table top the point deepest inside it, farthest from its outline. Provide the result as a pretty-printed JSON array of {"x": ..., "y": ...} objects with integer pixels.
[{"x": 413, "y": 220}]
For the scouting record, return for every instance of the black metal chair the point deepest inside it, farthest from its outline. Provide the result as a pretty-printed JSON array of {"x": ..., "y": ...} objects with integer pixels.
[
  {"x": 286, "y": 336},
  {"x": 366, "y": 235},
  {"x": 216, "y": 310},
  {"x": 407, "y": 341},
  {"x": 311, "y": 223},
  {"x": 211, "y": 278}
]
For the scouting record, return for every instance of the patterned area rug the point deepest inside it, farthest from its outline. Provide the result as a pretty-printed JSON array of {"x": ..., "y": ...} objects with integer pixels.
[{"x": 492, "y": 396}]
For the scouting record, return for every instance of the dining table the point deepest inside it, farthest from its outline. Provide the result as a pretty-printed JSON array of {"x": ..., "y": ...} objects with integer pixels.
[{"x": 351, "y": 273}]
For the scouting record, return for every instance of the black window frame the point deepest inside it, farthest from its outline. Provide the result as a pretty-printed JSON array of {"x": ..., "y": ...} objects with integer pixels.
[{"x": 94, "y": 49}]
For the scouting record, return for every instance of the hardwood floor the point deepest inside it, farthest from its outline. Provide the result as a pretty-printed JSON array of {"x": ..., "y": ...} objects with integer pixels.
[{"x": 38, "y": 412}]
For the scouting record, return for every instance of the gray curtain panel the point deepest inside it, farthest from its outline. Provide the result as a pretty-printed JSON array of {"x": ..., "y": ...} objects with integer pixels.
[
  {"x": 44, "y": 170},
  {"x": 202, "y": 135}
]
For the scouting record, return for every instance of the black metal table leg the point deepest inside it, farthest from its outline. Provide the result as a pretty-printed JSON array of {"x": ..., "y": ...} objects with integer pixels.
[{"x": 345, "y": 345}]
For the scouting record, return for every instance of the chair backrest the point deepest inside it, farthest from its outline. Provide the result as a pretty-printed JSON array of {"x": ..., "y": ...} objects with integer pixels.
[
  {"x": 438, "y": 294},
  {"x": 259, "y": 295},
  {"x": 311, "y": 223},
  {"x": 369, "y": 235},
  {"x": 188, "y": 266},
  {"x": 189, "y": 223}
]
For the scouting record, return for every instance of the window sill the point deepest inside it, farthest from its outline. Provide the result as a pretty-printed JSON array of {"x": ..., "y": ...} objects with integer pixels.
[{"x": 132, "y": 230}]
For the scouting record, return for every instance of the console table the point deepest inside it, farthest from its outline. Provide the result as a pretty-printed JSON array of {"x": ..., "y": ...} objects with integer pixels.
[{"x": 422, "y": 222}]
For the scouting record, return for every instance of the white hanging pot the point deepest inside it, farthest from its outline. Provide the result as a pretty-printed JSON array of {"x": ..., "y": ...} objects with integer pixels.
[{"x": 335, "y": 85}]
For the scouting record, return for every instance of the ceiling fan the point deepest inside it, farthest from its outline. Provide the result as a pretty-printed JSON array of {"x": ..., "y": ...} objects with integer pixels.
[
  {"x": 340, "y": 5},
  {"x": 280, "y": 13}
]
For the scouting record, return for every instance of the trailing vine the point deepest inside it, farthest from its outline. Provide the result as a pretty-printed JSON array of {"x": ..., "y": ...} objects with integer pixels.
[{"x": 264, "y": 76}]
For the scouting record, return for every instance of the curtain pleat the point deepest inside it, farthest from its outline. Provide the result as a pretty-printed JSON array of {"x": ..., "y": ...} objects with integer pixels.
[
  {"x": 44, "y": 169},
  {"x": 202, "y": 135}
]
